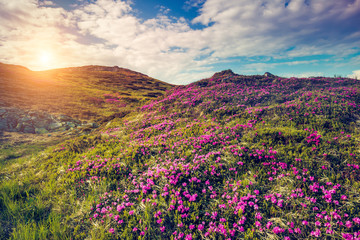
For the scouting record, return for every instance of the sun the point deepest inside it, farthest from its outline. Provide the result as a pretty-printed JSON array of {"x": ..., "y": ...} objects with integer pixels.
[{"x": 45, "y": 59}]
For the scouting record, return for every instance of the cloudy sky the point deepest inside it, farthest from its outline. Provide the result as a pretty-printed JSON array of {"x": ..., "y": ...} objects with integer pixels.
[{"x": 183, "y": 41}]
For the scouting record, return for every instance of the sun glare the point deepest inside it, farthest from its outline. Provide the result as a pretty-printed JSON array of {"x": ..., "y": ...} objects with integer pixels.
[{"x": 45, "y": 59}]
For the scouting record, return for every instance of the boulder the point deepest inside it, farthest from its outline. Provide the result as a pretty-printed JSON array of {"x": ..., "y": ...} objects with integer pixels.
[
  {"x": 30, "y": 121},
  {"x": 3, "y": 124},
  {"x": 29, "y": 129},
  {"x": 267, "y": 74},
  {"x": 77, "y": 122},
  {"x": 42, "y": 124},
  {"x": 94, "y": 125},
  {"x": 25, "y": 119},
  {"x": 41, "y": 130},
  {"x": 65, "y": 118},
  {"x": 12, "y": 123},
  {"x": 54, "y": 126},
  {"x": 70, "y": 124},
  {"x": 19, "y": 127},
  {"x": 61, "y": 129}
]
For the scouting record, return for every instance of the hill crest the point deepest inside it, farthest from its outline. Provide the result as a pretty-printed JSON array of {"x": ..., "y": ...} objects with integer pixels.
[{"x": 87, "y": 92}]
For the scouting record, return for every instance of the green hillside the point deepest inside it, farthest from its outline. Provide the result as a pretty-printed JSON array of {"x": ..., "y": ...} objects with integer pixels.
[
  {"x": 85, "y": 93},
  {"x": 229, "y": 157}
]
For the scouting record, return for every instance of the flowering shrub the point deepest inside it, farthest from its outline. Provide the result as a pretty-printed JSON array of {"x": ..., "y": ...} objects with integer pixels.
[{"x": 231, "y": 158}]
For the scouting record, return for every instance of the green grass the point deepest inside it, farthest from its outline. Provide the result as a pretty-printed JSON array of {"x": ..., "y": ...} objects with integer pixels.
[
  {"x": 82, "y": 93},
  {"x": 40, "y": 199}
]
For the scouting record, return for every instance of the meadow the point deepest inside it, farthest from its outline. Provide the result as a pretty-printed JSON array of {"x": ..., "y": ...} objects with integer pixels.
[
  {"x": 85, "y": 93},
  {"x": 229, "y": 157}
]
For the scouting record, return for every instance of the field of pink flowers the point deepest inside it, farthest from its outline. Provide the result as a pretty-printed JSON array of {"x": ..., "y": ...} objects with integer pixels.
[{"x": 230, "y": 157}]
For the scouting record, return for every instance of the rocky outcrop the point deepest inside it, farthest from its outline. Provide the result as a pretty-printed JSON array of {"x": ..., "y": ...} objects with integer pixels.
[
  {"x": 270, "y": 75},
  {"x": 29, "y": 121},
  {"x": 225, "y": 73}
]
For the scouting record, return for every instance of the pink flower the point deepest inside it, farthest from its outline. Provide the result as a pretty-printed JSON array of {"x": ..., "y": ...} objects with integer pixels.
[
  {"x": 188, "y": 237},
  {"x": 268, "y": 225},
  {"x": 305, "y": 222},
  {"x": 131, "y": 212},
  {"x": 278, "y": 230},
  {"x": 316, "y": 233},
  {"x": 200, "y": 227},
  {"x": 356, "y": 220},
  {"x": 111, "y": 230},
  {"x": 348, "y": 224}
]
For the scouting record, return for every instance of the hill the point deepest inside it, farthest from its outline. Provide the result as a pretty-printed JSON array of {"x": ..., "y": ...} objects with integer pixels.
[
  {"x": 84, "y": 93},
  {"x": 228, "y": 157}
]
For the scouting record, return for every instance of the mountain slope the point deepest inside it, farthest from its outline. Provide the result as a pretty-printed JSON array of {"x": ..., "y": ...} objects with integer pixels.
[
  {"x": 229, "y": 157},
  {"x": 83, "y": 93}
]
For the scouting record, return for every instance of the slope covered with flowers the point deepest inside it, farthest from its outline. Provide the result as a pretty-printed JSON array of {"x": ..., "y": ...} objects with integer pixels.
[{"x": 230, "y": 157}]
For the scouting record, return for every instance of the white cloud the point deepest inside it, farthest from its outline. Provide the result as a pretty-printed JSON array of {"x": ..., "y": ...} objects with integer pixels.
[
  {"x": 263, "y": 67},
  {"x": 303, "y": 75},
  {"x": 355, "y": 74},
  {"x": 247, "y": 27},
  {"x": 107, "y": 32},
  {"x": 193, "y": 4}
]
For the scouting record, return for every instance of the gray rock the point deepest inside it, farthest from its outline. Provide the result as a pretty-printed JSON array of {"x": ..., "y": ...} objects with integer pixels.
[
  {"x": 267, "y": 74},
  {"x": 29, "y": 129},
  {"x": 61, "y": 129},
  {"x": 30, "y": 121},
  {"x": 19, "y": 127},
  {"x": 91, "y": 125},
  {"x": 41, "y": 130},
  {"x": 12, "y": 123},
  {"x": 70, "y": 124},
  {"x": 25, "y": 119},
  {"x": 54, "y": 126},
  {"x": 41, "y": 124},
  {"x": 77, "y": 122},
  {"x": 3, "y": 124},
  {"x": 65, "y": 118}
]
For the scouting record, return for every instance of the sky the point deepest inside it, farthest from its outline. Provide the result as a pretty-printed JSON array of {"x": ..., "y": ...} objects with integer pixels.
[{"x": 183, "y": 41}]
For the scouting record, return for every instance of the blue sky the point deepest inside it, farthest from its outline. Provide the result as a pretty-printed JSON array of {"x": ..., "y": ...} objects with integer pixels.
[
  {"x": 147, "y": 9},
  {"x": 184, "y": 41}
]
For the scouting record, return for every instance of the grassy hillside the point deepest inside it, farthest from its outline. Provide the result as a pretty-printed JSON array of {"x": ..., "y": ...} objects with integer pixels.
[
  {"x": 83, "y": 93},
  {"x": 230, "y": 157}
]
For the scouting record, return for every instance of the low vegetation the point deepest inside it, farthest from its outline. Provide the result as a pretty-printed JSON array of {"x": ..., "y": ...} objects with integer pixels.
[
  {"x": 230, "y": 157},
  {"x": 84, "y": 93}
]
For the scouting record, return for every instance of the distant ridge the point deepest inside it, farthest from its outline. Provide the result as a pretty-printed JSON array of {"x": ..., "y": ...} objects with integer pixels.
[
  {"x": 87, "y": 92},
  {"x": 225, "y": 73},
  {"x": 12, "y": 67},
  {"x": 102, "y": 68}
]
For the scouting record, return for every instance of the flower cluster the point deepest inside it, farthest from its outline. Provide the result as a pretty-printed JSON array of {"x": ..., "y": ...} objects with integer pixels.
[{"x": 231, "y": 159}]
